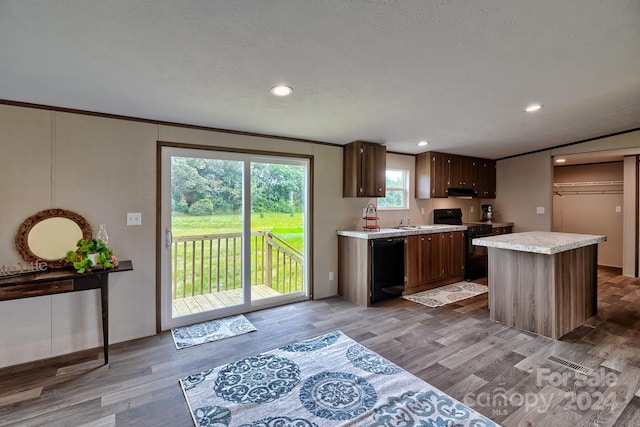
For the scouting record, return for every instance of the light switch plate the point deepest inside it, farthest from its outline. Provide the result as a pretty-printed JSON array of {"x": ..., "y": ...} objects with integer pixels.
[
  {"x": 618, "y": 209},
  {"x": 134, "y": 218},
  {"x": 540, "y": 210}
]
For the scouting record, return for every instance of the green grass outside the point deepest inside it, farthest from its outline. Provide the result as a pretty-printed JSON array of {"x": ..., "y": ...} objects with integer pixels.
[{"x": 287, "y": 226}]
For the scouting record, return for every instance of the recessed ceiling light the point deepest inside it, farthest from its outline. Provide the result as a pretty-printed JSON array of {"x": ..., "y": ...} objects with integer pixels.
[
  {"x": 422, "y": 143},
  {"x": 282, "y": 90},
  {"x": 561, "y": 160},
  {"x": 533, "y": 107}
]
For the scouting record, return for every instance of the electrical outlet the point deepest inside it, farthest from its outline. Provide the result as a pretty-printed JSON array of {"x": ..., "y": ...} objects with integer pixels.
[
  {"x": 134, "y": 218},
  {"x": 471, "y": 209},
  {"x": 421, "y": 211},
  {"x": 330, "y": 276},
  {"x": 618, "y": 209},
  {"x": 540, "y": 210}
]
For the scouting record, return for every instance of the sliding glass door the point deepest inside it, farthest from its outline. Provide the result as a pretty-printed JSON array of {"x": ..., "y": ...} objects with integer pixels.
[{"x": 234, "y": 233}]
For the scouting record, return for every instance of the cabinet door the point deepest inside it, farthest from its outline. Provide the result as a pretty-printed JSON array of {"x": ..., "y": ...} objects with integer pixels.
[
  {"x": 440, "y": 164},
  {"x": 415, "y": 260},
  {"x": 491, "y": 180},
  {"x": 433, "y": 256},
  {"x": 454, "y": 248},
  {"x": 486, "y": 178},
  {"x": 456, "y": 171},
  {"x": 364, "y": 169},
  {"x": 373, "y": 163}
]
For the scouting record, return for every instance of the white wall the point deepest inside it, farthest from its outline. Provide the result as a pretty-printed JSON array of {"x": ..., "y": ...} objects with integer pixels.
[
  {"x": 103, "y": 168},
  {"x": 523, "y": 184}
]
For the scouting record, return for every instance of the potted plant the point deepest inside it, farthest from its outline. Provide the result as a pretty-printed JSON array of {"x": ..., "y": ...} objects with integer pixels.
[{"x": 90, "y": 254}]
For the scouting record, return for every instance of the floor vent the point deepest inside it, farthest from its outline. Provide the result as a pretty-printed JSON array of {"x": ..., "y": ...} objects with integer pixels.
[{"x": 571, "y": 365}]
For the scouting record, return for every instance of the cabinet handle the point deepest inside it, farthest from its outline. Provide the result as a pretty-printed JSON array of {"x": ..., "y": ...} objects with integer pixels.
[
  {"x": 361, "y": 189},
  {"x": 168, "y": 238},
  {"x": 380, "y": 190}
]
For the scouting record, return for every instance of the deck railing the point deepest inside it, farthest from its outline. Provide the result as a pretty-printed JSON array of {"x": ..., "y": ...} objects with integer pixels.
[{"x": 210, "y": 263}]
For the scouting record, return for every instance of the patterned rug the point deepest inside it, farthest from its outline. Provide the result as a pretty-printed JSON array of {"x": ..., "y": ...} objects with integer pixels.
[
  {"x": 214, "y": 330},
  {"x": 330, "y": 380},
  {"x": 447, "y": 294}
]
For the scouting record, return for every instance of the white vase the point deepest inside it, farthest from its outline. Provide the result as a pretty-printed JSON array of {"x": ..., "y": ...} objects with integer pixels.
[{"x": 93, "y": 258}]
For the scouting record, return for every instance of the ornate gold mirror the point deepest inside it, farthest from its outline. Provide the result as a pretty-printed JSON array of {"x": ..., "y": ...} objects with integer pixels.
[{"x": 49, "y": 235}]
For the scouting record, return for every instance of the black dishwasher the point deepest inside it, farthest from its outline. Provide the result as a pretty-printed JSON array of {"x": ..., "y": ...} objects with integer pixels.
[{"x": 387, "y": 268}]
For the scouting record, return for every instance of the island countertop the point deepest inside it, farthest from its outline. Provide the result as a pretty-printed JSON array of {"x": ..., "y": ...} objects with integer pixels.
[{"x": 540, "y": 242}]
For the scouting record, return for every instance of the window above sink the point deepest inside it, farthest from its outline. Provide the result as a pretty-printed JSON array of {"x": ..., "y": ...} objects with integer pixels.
[{"x": 397, "y": 193}]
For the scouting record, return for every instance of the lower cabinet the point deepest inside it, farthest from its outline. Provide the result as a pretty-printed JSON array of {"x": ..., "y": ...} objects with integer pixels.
[
  {"x": 501, "y": 230},
  {"x": 434, "y": 260}
]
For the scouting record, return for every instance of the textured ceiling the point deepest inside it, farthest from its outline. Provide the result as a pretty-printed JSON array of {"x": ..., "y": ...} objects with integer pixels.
[{"x": 456, "y": 73}]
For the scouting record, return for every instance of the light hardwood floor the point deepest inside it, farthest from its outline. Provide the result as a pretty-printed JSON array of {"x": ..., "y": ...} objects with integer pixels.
[
  {"x": 214, "y": 300},
  {"x": 502, "y": 372}
]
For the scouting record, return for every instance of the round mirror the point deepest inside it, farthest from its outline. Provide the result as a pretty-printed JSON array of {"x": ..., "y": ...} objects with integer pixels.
[{"x": 49, "y": 235}]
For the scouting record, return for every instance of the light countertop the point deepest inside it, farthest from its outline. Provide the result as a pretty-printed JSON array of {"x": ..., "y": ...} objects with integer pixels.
[
  {"x": 541, "y": 242},
  {"x": 395, "y": 232}
]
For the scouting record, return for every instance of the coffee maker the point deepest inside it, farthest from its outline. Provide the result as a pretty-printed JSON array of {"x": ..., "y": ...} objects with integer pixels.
[{"x": 488, "y": 213}]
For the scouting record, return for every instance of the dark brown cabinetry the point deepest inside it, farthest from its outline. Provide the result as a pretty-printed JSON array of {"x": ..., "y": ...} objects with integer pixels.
[
  {"x": 486, "y": 178},
  {"x": 432, "y": 175},
  {"x": 364, "y": 169},
  {"x": 454, "y": 263},
  {"x": 437, "y": 172},
  {"x": 463, "y": 172},
  {"x": 434, "y": 259},
  {"x": 501, "y": 230}
]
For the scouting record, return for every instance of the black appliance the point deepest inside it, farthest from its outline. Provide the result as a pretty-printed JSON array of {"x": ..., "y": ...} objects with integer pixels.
[
  {"x": 387, "y": 268},
  {"x": 476, "y": 259}
]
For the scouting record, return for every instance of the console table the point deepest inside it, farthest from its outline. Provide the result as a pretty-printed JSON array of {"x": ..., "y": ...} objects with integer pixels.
[{"x": 61, "y": 281}]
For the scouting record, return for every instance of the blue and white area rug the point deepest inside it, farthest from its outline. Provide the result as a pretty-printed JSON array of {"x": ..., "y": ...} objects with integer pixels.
[
  {"x": 214, "y": 330},
  {"x": 330, "y": 380},
  {"x": 447, "y": 294}
]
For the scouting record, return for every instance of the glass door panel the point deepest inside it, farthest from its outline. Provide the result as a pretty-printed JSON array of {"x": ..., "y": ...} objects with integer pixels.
[
  {"x": 234, "y": 233},
  {"x": 278, "y": 203}
]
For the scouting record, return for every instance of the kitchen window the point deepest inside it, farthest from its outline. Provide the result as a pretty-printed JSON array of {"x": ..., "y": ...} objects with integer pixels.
[{"x": 397, "y": 193}]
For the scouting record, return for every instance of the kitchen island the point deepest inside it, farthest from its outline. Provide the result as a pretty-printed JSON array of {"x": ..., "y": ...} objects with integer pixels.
[{"x": 542, "y": 282}]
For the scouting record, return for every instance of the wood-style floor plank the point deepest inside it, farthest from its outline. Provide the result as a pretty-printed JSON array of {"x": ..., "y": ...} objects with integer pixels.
[{"x": 456, "y": 348}]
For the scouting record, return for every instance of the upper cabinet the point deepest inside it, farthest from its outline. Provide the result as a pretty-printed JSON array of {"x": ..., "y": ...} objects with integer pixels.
[
  {"x": 364, "y": 169},
  {"x": 432, "y": 175},
  {"x": 486, "y": 178},
  {"x": 436, "y": 173}
]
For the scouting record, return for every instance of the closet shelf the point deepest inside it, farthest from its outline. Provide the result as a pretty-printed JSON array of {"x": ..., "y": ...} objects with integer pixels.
[{"x": 587, "y": 184}]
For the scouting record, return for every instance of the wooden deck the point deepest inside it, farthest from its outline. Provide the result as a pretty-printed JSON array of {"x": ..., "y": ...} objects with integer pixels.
[{"x": 211, "y": 301}]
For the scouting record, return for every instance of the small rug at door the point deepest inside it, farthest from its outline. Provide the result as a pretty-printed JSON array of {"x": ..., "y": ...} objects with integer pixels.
[
  {"x": 213, "y": 330},
  {"x": 447, "y": 294},
  {"x": 330, "y": 380}
]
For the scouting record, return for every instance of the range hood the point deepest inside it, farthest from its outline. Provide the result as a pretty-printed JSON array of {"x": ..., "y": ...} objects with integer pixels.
[{"x": 463, "y": 193}]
